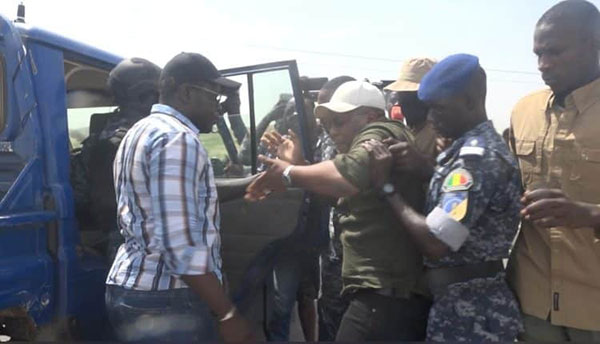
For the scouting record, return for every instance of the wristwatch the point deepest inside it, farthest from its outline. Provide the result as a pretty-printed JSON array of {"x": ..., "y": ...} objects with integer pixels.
[
  {"x": 229, "y": 315},
  {"x": 287, "y": 179},
  {"x": 388, "y": 189}
]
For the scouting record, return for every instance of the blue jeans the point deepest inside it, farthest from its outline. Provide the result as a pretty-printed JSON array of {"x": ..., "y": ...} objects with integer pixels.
[
  {"x": 168, "y": 315},
  {"x": 294, "y": 277},
  {"x": 285, "y": 281}
]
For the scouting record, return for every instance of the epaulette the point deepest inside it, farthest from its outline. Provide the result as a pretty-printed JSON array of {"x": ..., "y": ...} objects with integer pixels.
[{"x": 473, "y": 146}]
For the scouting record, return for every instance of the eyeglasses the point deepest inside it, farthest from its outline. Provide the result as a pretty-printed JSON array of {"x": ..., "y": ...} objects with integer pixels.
[{"x": 216, "y": 94}]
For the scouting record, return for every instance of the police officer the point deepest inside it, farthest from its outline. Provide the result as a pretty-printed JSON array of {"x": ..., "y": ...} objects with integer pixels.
[
  {"x": 472, "y": 206},
  {"x": 134, "y": 86},
  {"x": 555, "y": 135}
]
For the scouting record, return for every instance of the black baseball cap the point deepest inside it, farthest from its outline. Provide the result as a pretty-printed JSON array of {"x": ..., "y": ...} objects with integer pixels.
[{"x": 193, "y": 67}]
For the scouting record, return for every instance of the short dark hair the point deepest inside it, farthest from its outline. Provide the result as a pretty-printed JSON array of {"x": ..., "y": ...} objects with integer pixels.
[
  {"x": 330, "y": 86},
  {"x": 581, "y": 12}
]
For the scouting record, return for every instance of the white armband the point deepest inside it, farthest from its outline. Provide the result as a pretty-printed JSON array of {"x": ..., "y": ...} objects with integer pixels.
[{"x": 447, "y": 229}]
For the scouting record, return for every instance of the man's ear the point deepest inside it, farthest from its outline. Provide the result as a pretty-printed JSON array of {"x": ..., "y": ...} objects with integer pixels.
[
  {"x": 183, "y": 94},
  {"x": 373, "y": 115},
  {"x": 470, "y": 102}
]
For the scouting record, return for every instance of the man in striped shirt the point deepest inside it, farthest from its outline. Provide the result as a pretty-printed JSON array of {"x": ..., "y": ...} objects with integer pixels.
[{"x": 166, "y": 278}]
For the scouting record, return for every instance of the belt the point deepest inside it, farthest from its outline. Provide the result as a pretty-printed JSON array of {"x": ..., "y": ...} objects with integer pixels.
[
  {"x": 387, "y": 292},
  {"x": 390, "y": 292},
  {"x": 440, "y": 278}
]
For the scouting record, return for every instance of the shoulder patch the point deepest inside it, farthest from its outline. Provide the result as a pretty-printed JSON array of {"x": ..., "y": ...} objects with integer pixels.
[
  {"x": 473, "y": 146},
  {"x": 455, "y": 204},
  {"x": 458, "y": 179}
]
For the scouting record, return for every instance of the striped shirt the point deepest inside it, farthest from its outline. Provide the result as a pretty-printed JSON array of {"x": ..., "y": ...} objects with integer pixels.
[{"x": 167, "y": 204}]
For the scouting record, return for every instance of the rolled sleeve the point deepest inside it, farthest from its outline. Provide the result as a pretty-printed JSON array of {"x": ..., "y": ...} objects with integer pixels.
[
  {"x": 176, "y": 166},
  {"x": 354, "y": 167}
]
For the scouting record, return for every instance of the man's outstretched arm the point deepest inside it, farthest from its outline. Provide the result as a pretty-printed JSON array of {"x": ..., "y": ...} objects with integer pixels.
[{"x": 322, "y": 178}]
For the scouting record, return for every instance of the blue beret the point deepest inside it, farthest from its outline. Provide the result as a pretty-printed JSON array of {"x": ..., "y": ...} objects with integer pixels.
[{"x": 448, "y": 77}]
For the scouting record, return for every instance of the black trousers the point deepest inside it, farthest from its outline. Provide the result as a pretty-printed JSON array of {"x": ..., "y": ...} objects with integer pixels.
[{"x": 374, "y": 317}]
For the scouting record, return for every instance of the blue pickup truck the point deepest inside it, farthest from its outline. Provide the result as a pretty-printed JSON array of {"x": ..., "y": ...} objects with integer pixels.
[{"x": 51, "y": 283}]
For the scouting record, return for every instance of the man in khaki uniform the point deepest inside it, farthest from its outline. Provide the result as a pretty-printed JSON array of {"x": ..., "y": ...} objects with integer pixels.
[
  {"x": 402, "y": 96},
  {"x": 555, "y": 133}
]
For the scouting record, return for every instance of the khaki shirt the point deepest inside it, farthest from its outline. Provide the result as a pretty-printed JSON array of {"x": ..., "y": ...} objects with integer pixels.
[
  {"x": 556, "y": 272},
  {"x": 378, "y": 250}
]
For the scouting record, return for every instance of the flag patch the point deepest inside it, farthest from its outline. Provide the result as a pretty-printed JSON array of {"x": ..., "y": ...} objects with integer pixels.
[{"x": 457, "y": 180}]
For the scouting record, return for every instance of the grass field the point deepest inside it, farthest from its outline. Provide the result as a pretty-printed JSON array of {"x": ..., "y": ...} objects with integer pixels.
[
  {"x": 79, "y": 120},
  {"x": 214, "y": 145}
]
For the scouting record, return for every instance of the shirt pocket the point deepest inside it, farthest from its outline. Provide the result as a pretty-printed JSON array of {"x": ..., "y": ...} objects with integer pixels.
[
  {"x": 525, "y": 151},
  {"x": 585, "y": 174}
]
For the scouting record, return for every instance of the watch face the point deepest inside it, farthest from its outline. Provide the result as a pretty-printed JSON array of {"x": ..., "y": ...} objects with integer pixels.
[
  {"x": 388, "y": 188},
  {"x": 287, "y": 179}
]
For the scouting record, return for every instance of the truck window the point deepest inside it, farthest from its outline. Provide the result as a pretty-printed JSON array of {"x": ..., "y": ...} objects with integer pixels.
[
  {"x": 86, "y": 95},
  {"x": 79, "y": 122},
  {"x": 223, "y": 143},
  {"x": 230, "y": 143}
]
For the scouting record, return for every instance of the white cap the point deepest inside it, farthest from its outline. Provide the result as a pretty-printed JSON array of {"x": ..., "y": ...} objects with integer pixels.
[{"x": 350, "y": 96}]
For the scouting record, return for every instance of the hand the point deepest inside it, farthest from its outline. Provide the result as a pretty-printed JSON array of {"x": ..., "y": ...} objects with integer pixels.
[
  {"x": 381, "y": 162},
  {"x": 272, "y": 140},
  {"x": 231, "y": 105},
  {"x": 235, "y": 330},
  {"x": 267, "y": 182},
  {"x": 291, "y": 149},
  {"x": 408, "y": 159},
  {"x": 286, "y": 148},
  {"x": 552, "y": 208},
  {"x": 441, "y": 144}
]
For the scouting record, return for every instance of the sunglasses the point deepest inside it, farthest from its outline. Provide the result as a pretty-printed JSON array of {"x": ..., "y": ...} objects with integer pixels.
[{"x": 216, "y": 94}]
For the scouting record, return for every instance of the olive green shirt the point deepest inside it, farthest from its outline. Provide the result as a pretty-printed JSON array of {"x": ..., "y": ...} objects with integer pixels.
[{"x": 378, "y": 251}]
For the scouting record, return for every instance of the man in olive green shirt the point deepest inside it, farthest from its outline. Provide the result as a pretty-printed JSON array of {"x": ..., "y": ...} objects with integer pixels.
[{"x": 381, "y": 264}]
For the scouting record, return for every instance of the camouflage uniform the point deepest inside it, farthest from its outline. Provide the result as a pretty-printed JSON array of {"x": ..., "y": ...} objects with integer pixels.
[
  {"x": 93, "y": 183},
  {"x": 319, "y": 215},
  {"x": 331, "y": 304},
  {"x": 324, "y": 148},
  {"x": 480, "y": 309}
]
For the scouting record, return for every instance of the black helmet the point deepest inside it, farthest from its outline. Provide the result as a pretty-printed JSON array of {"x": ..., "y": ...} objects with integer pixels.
[{"x": 132, "y": 78}]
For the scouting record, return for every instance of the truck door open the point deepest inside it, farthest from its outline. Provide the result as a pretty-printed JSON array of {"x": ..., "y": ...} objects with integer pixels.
[{"x": 252, "y": 233}]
